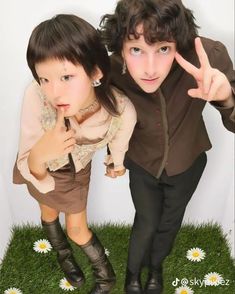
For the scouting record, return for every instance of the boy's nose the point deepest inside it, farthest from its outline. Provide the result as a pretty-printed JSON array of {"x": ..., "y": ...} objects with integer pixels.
[{"x": 151, "y": 67}]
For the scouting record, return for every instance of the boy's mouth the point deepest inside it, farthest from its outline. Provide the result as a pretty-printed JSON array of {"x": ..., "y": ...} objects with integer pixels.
[{"x": 150, "y": 80}]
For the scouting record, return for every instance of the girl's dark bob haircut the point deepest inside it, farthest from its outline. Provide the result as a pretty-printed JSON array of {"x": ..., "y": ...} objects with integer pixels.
[
  {"x": 162, "y": 20},
  {"x": 68, "y": 37}
]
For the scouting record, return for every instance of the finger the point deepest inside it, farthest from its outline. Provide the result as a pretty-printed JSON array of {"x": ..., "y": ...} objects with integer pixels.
[
  {"x": 196, "y": 93},
  {"x": 187, "y": 66},
  {"x": 201, "y": 53},
  {"x": 68, "y": 150},
  {"x": 110, "y": 173},
  {"x": 120, "y": 172},
  {"x": 68, "y": 134},
  {"x": 206, "y": 81},
  {"x": 60, "y": 117},
  {"x": 69, "y": 142},
  {"x": 215, "y": 88}
]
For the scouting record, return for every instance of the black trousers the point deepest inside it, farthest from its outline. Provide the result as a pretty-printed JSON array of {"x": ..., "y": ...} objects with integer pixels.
[{"x": 160, "y": 205}]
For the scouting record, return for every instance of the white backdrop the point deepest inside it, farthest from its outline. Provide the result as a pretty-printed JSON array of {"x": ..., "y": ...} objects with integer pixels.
[{"x": 109, "y": 200}]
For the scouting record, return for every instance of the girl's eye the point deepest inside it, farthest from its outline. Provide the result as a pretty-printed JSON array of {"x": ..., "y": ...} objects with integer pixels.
[
  {"x": 135, "y": 51},
  {"x": 164, "y": 49},
  {"x": 43, "y": 81},
  {"x": 66, "y": 78}
]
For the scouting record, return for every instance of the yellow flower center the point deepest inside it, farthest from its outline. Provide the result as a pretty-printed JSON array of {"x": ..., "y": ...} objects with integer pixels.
[
  {"x": 184, "y": 292},
  {"x": 67, "y": 284},
  {"x": 42, "y": 246},
  {"x": 196, "y": 254},
  {"x": 213, "y": 279}
]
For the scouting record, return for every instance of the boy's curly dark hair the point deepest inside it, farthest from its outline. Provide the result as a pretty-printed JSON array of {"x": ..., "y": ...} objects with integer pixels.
[{"x": 162, "y": 20}]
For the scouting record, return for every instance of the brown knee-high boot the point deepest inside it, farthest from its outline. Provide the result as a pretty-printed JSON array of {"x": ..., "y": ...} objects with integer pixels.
[
  {"x": 103, "y": 271},
  {"x": 65, "y": 258}
]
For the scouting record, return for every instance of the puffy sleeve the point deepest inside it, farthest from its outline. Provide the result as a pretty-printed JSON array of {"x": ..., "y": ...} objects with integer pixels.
[
  {"x": 120, "y": 142},
  {"x": 30, "y": 132},
  {"x": 219, "y": 58}
]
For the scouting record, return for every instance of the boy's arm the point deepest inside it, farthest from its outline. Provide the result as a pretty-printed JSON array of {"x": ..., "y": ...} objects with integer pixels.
[{"x": 215, "y": 79}]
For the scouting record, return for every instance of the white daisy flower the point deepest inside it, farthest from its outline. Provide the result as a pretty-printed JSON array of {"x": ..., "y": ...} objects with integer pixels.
[
  {"x": 13, "y": 291},
  {"x": 106, "y": 252},
  {"x": 65, "y": 285},
  {"x": 184, "y": 290},
  {"x": 195, "y": 254},
  {"x": 213, "y": 279},
  {"x": 42, "y": 246}
]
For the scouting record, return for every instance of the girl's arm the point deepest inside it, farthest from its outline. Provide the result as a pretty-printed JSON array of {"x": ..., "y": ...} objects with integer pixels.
[
  {"x": 119, "y": 144},
  {"x": 38, "y": 146},
  {"x": 30, "y": 132}
]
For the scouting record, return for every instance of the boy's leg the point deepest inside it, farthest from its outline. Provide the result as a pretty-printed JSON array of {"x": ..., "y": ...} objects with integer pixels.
[
  {"x": 178, "y": 190},
  {"x": 147, "y": 197}
]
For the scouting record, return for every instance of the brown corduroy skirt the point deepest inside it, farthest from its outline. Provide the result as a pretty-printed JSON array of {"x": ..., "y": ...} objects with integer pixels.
[{"x": 70, "y": 193}]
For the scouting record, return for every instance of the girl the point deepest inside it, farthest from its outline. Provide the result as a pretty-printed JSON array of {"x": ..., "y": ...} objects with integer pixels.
[{"x": 69, "y": 112}]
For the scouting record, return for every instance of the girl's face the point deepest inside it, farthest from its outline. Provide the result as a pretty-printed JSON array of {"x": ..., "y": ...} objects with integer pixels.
[
  {"x": 66, "y": 85},
  {"x": 148, "y": 65}
]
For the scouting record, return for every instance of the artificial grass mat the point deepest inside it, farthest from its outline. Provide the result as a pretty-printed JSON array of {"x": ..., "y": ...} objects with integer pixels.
[{"x": 38, "y": 273}]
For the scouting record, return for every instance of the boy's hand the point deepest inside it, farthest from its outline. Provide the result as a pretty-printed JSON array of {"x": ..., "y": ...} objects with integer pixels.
[
  {"x": 213, "y": 85},
  {"x": 110, "y": 172},
  {"x": 53, "y": 144}
]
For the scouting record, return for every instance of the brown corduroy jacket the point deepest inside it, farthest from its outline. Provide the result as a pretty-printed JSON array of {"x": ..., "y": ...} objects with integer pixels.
[{"x": 170, "y": 132}]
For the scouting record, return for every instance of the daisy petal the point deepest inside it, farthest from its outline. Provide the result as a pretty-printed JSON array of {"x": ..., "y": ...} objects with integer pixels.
[
  {"x": 13, "y": 291},
  {"x": 195, "y": 254},
  {"x": 106, "y": 252},
  {"x": 184, "y": 290},
  {"x": 65, "y": 285},
  {"x": 42, "y": 246},
  {"x": 213, "y": 279}
]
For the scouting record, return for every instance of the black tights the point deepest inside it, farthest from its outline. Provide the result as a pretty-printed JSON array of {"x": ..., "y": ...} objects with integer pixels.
[{"x": 160, "y": 205}]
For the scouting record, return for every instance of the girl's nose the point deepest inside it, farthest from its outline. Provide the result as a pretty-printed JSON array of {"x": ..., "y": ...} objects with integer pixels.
[{"x": 55, "y": 90}]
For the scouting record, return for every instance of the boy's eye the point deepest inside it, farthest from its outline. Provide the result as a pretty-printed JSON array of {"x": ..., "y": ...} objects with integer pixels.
[
  {"x": 164, "y": 49},
  {"x": 66, "y": 78},
  {"x": 135, "y": 51}
]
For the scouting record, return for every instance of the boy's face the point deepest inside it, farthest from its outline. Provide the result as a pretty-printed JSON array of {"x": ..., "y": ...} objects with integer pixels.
[
  {"x": 148, "y": 65},
  {"x": 66, "y": 85}
]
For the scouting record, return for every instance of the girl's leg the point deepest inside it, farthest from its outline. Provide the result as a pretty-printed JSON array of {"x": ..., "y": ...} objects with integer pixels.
[
  {"x": 48, "y": 214},
  {"x": 59, "y": 242},
  {"x": 79, "y": 232},
  {"x": 77, "y": 228}
]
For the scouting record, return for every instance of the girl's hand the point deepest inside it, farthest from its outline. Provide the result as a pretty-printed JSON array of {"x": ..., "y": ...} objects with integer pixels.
[
  {"x": 213, "y": 85},
  {"x": 53, "y": 144},
  {"x": 111, "y": 173}
]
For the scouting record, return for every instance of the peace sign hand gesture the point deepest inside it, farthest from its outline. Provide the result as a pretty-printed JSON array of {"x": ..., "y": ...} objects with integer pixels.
[{"x": 213, "y": 85}]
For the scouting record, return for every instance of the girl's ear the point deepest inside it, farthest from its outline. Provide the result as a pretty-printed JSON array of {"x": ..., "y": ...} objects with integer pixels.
[{"x": 97, "y": 74}]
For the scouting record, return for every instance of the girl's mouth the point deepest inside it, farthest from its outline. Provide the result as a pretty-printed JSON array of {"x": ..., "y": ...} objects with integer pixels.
[{"x": 64, "y": 106}]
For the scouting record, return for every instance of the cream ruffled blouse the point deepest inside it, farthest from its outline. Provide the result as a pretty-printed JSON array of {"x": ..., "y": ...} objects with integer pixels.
[{"x": 97, "y": 131}]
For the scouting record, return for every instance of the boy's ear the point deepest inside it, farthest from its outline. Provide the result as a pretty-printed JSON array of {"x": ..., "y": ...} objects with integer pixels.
[{"x": 97, "y": 74}]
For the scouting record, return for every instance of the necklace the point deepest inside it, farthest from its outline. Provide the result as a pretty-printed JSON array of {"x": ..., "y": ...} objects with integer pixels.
[{"x": 90, "y": 108}]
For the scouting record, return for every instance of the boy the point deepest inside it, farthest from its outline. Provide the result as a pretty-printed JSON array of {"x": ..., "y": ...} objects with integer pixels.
[{"x": 162, "y": 65}]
